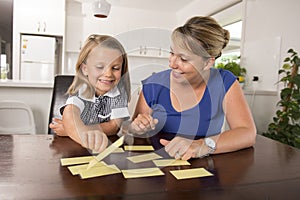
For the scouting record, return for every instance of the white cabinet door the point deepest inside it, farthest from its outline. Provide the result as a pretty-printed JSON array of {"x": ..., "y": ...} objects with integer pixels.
[
  {"x": 39, "y": 16},
  {"x": 146, "y": 42},
  {"x": 73, "y": 34}
]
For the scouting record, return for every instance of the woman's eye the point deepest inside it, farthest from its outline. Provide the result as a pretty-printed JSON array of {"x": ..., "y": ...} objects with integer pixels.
[
  {"x": 183, "y": 59},
  {"x": 116, "y": 68}
]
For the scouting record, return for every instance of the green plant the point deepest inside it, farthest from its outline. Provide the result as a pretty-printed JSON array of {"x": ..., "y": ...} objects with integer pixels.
[
  {"x": 233, "y": 65},
  {"x": 285, "y": 126}
]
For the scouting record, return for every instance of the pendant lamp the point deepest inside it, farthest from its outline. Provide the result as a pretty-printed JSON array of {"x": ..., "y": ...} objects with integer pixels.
[{"x": 101, "y": 8}]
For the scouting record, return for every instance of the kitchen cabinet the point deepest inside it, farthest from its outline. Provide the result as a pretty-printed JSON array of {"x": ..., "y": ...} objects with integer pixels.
[
  {"x": 146, "y": 42},
  {"x": 74, "y": 34},
  {"x": 45, "y": 17},
  {"x": 74, "y": 26},
  {"x": 37, "y": 17}
]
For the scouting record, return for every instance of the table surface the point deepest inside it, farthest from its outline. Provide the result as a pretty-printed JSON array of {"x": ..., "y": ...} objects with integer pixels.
[{"x": 30, "y": 169}]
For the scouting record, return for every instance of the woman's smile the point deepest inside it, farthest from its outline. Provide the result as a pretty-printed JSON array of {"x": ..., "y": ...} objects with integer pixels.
[{"x": 177, "y": 74}]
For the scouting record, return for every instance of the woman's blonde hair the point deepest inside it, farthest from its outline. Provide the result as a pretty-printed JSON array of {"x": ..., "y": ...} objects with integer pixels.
[
  {"x": 203, "y": 36},
  {"x": 80, "y": 79}
]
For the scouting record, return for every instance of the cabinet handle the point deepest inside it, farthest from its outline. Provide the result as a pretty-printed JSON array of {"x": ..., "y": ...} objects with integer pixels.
[
  {"x": 39, "y": 26},
  {"x": 45, "y": 26},
  {"x": 141, "y": 49}
]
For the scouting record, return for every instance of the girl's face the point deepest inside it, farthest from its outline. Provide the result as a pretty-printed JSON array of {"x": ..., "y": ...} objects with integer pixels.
[
  {"x": 103, "y": 68},
  {"x": 187, "y": 67}
]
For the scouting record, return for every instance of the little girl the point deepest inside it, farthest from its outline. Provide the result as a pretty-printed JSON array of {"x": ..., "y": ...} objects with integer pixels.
[{"x": 99, "y": 94}]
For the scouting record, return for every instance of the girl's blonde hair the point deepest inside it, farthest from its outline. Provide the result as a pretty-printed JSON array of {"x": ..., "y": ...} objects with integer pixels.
[
  {"x": 80, "y": 79},
  {"x": 203, "y": 36}
]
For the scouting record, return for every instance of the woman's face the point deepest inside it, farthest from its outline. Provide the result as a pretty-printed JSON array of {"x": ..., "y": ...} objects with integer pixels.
[
  {"x": 103, "y": 68},
  {"x": 186, "y": 66}
]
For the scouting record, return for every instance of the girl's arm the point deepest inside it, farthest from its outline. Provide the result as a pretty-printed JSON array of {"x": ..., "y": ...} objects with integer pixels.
[
  {"x": 88, "y": 136},
  {"x": 111, "y": 127}
]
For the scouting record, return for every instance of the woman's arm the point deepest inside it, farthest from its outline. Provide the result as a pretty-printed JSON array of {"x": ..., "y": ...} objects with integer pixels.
[
  {"x": 142, "y": 120},
  {"x": 141, "y": 106},
  {"x": 242, "y": 130}
]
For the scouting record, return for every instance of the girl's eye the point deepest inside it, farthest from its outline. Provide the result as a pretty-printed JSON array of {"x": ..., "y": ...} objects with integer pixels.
[
  {"x": 99, "y": 66},
  {"x": 171, "y": 53}
]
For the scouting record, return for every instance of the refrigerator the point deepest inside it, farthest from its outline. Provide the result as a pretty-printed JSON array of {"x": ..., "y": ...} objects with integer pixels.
[{"x": 38, "y": 58}]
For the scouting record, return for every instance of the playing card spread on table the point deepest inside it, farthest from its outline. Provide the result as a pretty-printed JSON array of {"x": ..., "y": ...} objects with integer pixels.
[
  {"x": 170, "y": 162},
  {"x": 106, "y": 152},
  {"x": 76, "y": 169},
  {"x": 142, "y": 172},
  {"x": 99, "y": 171},
  {"x": 139, "y": 148},
  {"x": 190, "y": 173},
  {"x": 118, "y": 150},
  {"x": 144, "y": 157},
  {"x": 75, "y": 160}
]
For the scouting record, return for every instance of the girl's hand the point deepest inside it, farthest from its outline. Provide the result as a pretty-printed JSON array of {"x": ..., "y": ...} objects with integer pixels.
[
  {"x": 184, "y": 149},
  {"x": 94, "y": 140},
  {"x": 142, "y": 124},
  {"x": 58, "y": 127}
]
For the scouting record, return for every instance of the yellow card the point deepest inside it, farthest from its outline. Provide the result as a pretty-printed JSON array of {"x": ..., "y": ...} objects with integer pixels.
[
  {"x": 99, "y": 171},
  {"x": 170, "y": 162},
  {"x": 75, "y": 160},
  {"x": 118, "y": 150},
  {"x": 191, "y": 173},
  {"x": 144, "y": 157},
  {"x": 75, "y": 170},
  {"x": 142, "y": 172},
  {"x": 106, "y": 152},
  {"x": 139, "y": 148}
]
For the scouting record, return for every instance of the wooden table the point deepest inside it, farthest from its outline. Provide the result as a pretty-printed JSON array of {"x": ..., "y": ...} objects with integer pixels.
[{"x": 30, "y": 169}]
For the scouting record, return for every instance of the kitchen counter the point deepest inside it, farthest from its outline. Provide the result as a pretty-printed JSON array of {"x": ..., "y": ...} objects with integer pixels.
[
  {"x": 25, "y": 84},
  {"x": 36, "y": 95}
]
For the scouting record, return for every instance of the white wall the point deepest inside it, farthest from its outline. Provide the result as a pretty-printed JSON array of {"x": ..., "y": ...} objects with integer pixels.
[
  {"x": 270, "y": 29},
  {"x": 122, "y": 19}
]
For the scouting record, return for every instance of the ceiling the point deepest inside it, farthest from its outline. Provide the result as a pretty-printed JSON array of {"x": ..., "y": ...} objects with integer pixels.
[
  {"x": 6, "y": 7},
  {"x": 158, "y": 5}
]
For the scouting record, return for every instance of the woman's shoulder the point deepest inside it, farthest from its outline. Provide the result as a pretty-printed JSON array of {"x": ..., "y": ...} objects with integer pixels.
[
  {"x": 223, "y": 72},
  {"x": 222, "y": 76}
]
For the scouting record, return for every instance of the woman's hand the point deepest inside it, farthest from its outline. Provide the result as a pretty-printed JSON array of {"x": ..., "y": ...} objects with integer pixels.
[
  {"x": 142, "y": 124},
  {"x": 58, "y": 127},
  {"x": 94, "y": 140},
  {"x": 184, "y": 149}
]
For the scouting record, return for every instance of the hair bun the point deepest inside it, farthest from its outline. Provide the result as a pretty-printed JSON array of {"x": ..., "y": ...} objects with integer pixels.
[{"x": 226, "y": 37}]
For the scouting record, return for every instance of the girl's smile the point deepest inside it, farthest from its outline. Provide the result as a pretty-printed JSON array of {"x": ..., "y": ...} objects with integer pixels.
[{"x": 103, "y": 68}]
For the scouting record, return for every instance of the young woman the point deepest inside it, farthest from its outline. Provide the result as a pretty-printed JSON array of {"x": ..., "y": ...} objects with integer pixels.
[{"x": 191, "y": 100}]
